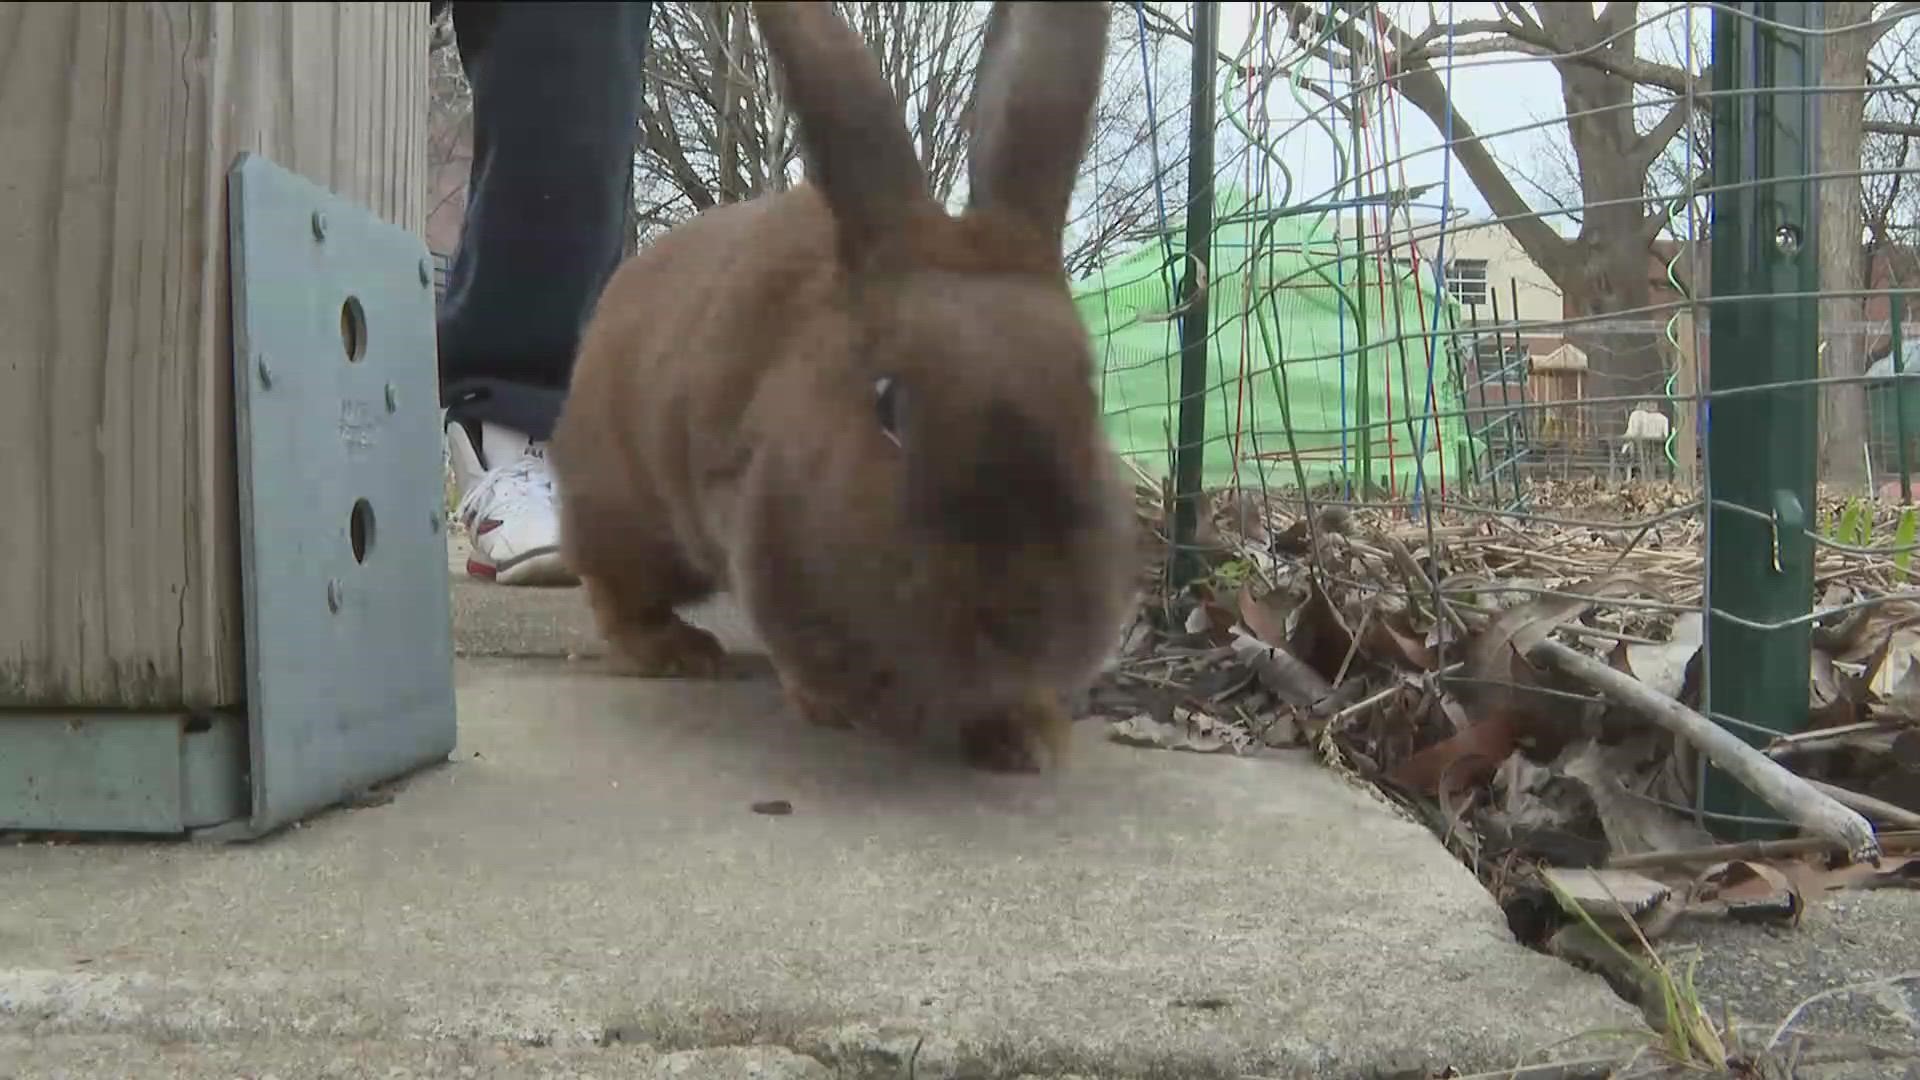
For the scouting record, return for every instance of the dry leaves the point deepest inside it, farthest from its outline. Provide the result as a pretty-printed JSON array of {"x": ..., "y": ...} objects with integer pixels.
[
  {"x": 1190, "y": 731},
  {"x": 1324, "y": 633},
  {"x": 1749, "y": 891},
  {"x": 1664, "y": 666}
]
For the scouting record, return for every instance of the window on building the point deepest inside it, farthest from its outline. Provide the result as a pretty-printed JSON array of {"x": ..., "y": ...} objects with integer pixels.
[{"x": 1467, "y": 280}]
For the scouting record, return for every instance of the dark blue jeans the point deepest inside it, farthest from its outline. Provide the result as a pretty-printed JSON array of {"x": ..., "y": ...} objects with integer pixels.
[{"x": 556, "y": 109}]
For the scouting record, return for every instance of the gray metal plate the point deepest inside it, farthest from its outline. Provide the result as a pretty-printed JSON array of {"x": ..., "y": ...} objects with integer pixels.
[
  {"x": 120, "y": 772},
  {"x": 348, "y": 625}
]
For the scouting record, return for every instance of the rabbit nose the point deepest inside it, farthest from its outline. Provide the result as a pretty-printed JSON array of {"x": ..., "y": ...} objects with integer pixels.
[{"x": 886, "y": 406}]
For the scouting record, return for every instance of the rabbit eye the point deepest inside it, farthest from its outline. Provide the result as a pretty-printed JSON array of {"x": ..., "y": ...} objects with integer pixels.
[{"x": 886, "y": 407}]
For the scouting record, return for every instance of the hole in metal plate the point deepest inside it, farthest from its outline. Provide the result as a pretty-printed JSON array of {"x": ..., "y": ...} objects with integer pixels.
[
  {"x": 360, "y": 529},
  {"x": 353, "y": 329}
]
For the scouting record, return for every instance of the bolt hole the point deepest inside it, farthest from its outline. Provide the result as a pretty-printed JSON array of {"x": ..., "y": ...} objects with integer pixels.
[
  {"x": 360, "y": 529},
  {"x": 353, "y": 329}
]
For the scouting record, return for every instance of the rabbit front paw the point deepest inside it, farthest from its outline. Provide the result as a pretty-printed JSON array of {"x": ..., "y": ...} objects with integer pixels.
[
  {"x": 673, "y": 650},
  {"x": 818, "y": 709},
  {"x": 1027, "y": 737}
]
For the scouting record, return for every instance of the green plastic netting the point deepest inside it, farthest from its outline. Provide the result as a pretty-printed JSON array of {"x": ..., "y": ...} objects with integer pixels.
[{"x": 1284, "y": 288}]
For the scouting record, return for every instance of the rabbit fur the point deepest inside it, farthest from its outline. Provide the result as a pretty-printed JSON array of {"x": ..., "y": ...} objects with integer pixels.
[{"x": 870, "y": 420}]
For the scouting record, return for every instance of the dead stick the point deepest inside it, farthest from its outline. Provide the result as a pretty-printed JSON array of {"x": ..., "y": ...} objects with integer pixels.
[
  {"x": 1411, "y": 569},
  {"x": 1364, "y": 703},
  {"x": 1878, "y": 809},
  {"x": 1782, "y": 790},
  {"x": 1751, "y": 849},
  {"x": 1804, "y": 741},
  {"x": 1290, "y": 678},
  {"x": 1570, "y": 629}
]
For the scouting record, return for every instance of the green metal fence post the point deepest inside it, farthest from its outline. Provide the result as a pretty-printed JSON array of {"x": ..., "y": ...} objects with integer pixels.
[
  {"x": 1190, "y": 449},
  {"x": 1761, "y": 446}
]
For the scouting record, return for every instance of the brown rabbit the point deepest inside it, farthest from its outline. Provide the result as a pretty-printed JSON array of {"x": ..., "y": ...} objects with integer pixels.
[{"x": 871, "y": 420}]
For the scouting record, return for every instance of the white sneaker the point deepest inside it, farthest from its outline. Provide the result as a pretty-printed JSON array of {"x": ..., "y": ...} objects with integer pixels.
[{"x": 507, "y": 506}]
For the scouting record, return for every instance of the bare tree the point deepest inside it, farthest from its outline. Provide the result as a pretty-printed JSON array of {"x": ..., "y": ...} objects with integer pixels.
[
  {"x": 449, "y": 135},
  {"x": 1843, "y": 427},
  {"x": 1637, "y": 138},
  {"x": 1134, "y": 170},
  {"x": 1603, "y": 268},
  {"x": 714, "y": 128},
  {"x": 1890, "y": 162},
  {"x": 1871, "y": 126},
  {"x": 1554, "y": 174}
]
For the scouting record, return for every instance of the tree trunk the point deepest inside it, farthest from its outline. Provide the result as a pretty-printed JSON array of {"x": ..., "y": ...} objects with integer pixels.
[
  {"x": 1844, "y": 413},
  {"x": 1609, "y": 273},
  {"x": 1608, "y": 284},
  {"x": 733, "y": 25},
  {"x": 630, "y": 225},
  {"x": 1612, "y": 278}
]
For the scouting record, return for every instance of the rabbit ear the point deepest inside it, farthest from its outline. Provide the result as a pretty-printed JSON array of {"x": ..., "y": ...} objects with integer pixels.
[
  {"x": 1032, "y": 109},
  {"x": 854, "y": 141}
]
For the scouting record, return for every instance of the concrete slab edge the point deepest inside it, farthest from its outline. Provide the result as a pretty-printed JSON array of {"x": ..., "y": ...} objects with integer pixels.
[
  {"x": 46, "y": 1007},
  {"x": 90, "y": 1057}
]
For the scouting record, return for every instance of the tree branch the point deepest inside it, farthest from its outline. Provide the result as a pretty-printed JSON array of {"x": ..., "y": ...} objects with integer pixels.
[
  {"x": 1422, "y": 86},
  {"x": 1445, "y": 31},
  {"x": 1159, "y": 24},
  {"x": 1650, "y": 146},
  {"x": 1890, "y": 18},
  {"x": 1891, "y": 127},
  {"x": 1518, "y": 13},
  {"x": 1531, "y": 39},
  {"x": 1663, "y": 212}
]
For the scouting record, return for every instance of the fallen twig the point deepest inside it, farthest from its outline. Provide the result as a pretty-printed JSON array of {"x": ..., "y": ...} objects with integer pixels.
[
  {"x": 1791, "y": 795},
  {"x": 1370, "y": 700},
  {"x": 1577, "y": 630},
  {"x": 1283, "y": 673},
  {"x": 1878, "y": 809},
  {"x": 1752, "y": 849},
  {"x": 1410, "y": 568},
  {"x": 1820, "y": 738}
]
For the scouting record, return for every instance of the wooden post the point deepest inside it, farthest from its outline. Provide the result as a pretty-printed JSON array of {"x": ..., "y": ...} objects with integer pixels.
[
  {"x": 1686, "y": 411},
  {"x": 121, "y": 585}
]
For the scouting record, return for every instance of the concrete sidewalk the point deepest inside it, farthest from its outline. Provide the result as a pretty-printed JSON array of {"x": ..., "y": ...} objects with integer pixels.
[{"x": 587, "y": 889}]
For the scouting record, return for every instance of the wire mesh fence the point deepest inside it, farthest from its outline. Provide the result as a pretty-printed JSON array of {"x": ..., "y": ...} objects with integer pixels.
[{"x": 1417, "y": 368}]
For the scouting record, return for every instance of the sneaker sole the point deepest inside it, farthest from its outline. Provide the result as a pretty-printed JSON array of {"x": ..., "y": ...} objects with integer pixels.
[{"x": 536, "y": 569}]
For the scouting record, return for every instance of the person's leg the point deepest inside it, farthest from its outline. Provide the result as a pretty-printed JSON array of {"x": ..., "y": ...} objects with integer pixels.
[{"x": 556, "y": 100}]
